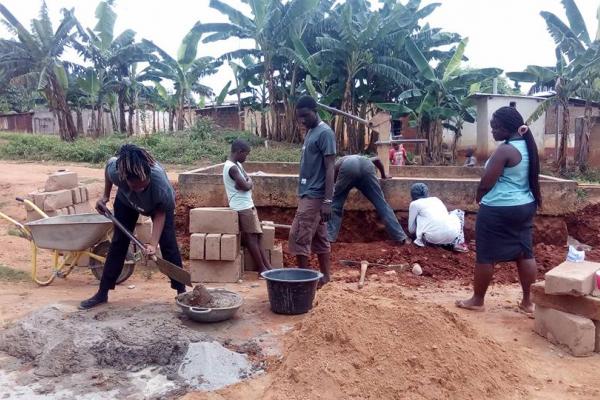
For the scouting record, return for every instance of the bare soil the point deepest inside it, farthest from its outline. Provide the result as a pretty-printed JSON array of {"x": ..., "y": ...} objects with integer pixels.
[{"x": 394, "y": 318}]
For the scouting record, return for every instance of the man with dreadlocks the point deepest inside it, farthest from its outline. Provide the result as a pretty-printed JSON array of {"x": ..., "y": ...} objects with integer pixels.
[{"x": 143, "y": 188}]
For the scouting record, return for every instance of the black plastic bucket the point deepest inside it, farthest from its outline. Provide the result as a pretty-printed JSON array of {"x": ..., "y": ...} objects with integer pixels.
[{"x": 291, "y": 290}]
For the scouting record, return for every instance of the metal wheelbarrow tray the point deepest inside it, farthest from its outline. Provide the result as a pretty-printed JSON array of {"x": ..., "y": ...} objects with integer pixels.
[
  {"x": 69, "y": 232},
  {"x": 201, "y": 314}
]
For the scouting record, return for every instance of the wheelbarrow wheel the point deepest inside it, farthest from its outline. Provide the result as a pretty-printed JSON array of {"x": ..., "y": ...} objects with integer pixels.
[{"x": 97, "y": 267}]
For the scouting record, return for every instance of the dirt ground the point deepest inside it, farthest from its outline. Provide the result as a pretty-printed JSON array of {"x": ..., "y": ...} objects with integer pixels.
[{"x": 541, "y": 370}]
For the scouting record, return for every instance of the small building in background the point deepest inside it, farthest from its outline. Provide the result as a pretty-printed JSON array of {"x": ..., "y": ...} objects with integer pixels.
[{"x": 16, "y": 122}]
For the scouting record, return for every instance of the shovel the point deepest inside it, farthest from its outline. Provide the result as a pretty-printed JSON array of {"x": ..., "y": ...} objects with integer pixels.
[{"x": 172, "y": 271}]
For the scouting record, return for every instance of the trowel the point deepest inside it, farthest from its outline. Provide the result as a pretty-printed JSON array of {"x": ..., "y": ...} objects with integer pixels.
[{"x": 171, "y": 270}]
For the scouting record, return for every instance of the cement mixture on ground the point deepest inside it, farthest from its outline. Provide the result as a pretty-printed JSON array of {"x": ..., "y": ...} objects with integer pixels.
[{"x": 141, "y": 352}]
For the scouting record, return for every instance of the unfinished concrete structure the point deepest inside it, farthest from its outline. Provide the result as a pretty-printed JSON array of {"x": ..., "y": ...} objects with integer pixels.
[{"x": 276, "y": 185}]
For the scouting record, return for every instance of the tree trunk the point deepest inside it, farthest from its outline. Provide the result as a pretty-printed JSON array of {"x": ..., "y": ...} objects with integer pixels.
[
  {"x": 272, "y": 132},
  {"x": 122, "y": 120},
  {"x": 100, "y": 121},
  {"x": 130, "y": 120},
  {"x": 584, "y": 147},
  {"x": 79, "y": 116},
  {"x": 93, "y": 124},
  {"x": 180, "y": 116},
  {"x": 564, "y": 139},
  {"x": 171, "y": 120},
  {"x": 113, "y": 119},
  {"x": 153, "y": 120},
  {"x": 68, "y": 130}
]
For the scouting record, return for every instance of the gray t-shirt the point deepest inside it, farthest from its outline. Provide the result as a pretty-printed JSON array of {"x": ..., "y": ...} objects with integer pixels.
[
  {"x": 159, "y": 195},
  {"x": 318, "y": 143}
]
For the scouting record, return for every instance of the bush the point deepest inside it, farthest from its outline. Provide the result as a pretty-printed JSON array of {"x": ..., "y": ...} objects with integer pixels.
[{"x": 185, "y": 148}]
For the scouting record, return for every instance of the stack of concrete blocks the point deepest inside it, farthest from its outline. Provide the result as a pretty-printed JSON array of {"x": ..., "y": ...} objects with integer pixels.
[
  {"x": 567, "y": 307},
  {"x": 267, "y": 243},
  {"x": 215, "y": 251},
  {"x": 62, "y": 195}
]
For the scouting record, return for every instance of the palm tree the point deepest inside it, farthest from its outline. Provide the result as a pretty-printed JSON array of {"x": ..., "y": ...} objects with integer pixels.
[
  {"x": 112, "y": 58},
  {"x": 442, "y": 95},
  {"x": 35, "y": 57},
  {"x": 185, "y": 71},
  {"x": 268, "y": 26},
  {"x": 576, "y": 71}
]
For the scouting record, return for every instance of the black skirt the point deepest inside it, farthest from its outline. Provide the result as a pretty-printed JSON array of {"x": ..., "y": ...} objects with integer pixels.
[{"x": 504, "y": 233}]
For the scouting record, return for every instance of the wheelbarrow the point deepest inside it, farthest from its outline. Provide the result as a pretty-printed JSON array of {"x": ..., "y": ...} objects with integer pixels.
[{"x": 70, "y": 237}]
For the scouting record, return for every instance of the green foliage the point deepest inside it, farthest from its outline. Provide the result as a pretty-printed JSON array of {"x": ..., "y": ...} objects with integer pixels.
[
  {"x": 180, "y": 148},
  {"x": 8, "y": 274},
  {"x": 202, "y": 129}
]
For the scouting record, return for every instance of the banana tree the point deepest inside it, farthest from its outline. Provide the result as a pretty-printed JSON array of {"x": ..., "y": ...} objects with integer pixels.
[
  {"x": 574, "y": 75},
  {"x": 33, "y": 58},
  {"x": 268, "y": 26},
  {"x": 441, "y": 98},
  {"x": 185, "y": 72},
  {"x": 112, "y": 58}
]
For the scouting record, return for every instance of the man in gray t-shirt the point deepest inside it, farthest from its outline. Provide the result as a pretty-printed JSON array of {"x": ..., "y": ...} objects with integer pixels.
[{"x": 315, "y": 189}]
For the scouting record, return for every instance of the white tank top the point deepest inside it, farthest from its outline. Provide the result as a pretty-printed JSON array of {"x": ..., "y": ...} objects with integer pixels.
[{"x": 238, "y": 199}]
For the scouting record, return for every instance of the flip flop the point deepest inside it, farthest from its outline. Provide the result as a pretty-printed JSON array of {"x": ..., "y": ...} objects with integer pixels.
[{"x": 461, "y": 304}]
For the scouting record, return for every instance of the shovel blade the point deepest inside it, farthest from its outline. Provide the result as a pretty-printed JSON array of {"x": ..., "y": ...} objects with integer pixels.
[{"x": 174, "y": 272}]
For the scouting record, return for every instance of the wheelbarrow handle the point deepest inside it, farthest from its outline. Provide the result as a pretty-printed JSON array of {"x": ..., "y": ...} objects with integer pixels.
[
  {"x": 119, "y": 225},
  {"x": 32, "y": 205}
]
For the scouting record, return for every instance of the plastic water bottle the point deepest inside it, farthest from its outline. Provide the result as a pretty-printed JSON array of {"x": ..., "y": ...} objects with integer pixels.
[{"x": 575, "y": 255}]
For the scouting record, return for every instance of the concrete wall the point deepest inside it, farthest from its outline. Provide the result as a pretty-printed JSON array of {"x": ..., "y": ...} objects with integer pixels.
[
  {"x": 204, "y": 188},
  {"x": 486, "y": 105},
  {"x": 468, "y": 138},
  {"x": 224, "y": 116}
]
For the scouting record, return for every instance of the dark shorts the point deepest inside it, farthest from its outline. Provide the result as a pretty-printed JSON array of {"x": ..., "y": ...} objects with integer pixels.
[
  {"x": 308, "y": 232},
  {"x": 249, "y": 222},
  {"x": 504, "y": 233}
]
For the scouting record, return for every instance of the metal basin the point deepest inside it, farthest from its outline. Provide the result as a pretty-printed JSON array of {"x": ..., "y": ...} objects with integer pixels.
[
  {"x": 232, "y": 300},
  {"x": 69, "y": 232}
]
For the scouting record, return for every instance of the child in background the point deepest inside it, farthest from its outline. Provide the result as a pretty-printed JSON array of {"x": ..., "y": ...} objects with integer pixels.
[
  {"x": 238, "y": 186},
  {"x": 397, "y": 154},
  {"x": 470, "y": 161}
]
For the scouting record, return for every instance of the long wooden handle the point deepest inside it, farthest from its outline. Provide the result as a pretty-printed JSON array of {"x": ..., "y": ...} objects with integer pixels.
[
  {"x": 119, "y": 225},
  {"x": 363, "y": 273}
]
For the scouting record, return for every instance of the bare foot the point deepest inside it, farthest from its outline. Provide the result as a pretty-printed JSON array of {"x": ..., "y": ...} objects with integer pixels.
[
  {"x": 323, "y": 281},
  {"x": 527, "y": 308},
  {"x": 471, "y": 304}
]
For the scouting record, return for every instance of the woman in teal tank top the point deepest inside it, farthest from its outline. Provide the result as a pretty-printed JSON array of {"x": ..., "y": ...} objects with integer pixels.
[{"x": 508, "y": 197}]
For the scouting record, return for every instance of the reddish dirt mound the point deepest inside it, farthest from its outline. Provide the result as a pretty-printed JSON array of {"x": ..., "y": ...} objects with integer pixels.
[
  {"x": 584, "y": 225},
  {"x": 411, "y": 350}
]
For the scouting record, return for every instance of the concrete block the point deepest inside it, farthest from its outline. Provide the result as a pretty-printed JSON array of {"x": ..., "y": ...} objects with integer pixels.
[
  {"x": 212, "y": 246},
  {"x": 144, "y": 232},
  {"x": 576, "y": 279},
  {"x": 267, "y": 240},
  {"x": 83, "y": 192},
  {"x": 76, "y": 194},
  {"x": 277, "y": 256},
  {"x": 82, "y": 208},
  {"x": 230, "y": 247},
  {"x": 71, "y": 210},
  {"x": 597, "y": 346},
  {"x": 197, "y": 246},
  {"x": 57, "y": 200},
  {"x": 214, "y": 220},
  {"x": 585, "y": 306},
  {"x": 216, "y": 271},
  {"x": 575, "y": 332},
  {"x": 61, "y": 180},
  {"x": 34, "y": 215},
  {"x": 38, "y": 198}
]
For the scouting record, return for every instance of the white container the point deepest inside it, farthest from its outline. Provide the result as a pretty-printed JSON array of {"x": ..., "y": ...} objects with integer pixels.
[{"x": 575, "y": 255}]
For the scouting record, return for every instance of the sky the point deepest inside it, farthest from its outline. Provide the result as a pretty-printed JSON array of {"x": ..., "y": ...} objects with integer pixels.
[{"x": 508, "y": 34}]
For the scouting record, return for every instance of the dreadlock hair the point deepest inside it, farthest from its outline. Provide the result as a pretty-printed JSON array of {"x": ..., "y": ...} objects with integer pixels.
[
  {"x": 511, "y": 120},
  {"x": 134, "y": 162}
]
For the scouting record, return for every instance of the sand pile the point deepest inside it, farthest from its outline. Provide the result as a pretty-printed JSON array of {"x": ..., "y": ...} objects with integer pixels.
[{"x": 378, "y": 344}]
